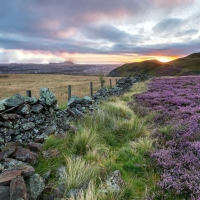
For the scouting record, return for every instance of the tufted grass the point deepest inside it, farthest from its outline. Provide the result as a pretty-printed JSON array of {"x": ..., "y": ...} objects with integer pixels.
[
  {"x": 112, "y": 138},
  {"x": 79, "y": 172}
]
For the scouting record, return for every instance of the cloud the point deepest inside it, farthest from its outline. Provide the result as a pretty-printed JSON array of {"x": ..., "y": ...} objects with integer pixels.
[
  {"x": 186, "y": 32},
  {"x": 168, "y": 25},
  {"x": 99, "y": 27}
]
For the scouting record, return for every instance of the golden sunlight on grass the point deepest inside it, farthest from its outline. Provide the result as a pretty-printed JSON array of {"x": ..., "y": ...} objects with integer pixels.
[{"x": 18, "y": 83}]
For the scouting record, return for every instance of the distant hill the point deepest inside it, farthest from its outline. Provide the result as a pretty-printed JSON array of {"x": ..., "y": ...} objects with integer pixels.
[
  {"x": 189, "y": 65},
  {"x": 66, "y": 67}
]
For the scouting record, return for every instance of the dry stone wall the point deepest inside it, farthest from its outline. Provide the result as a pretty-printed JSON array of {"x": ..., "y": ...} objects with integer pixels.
[{"x": 25, "y": 123}]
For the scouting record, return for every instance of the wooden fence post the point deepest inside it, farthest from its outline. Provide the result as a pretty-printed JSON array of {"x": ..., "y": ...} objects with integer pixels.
[
  {"x": 110, "y": 83},
  {"x": 116, "y": 81},
  {"x": 69, "y": 92},
  {"x": 28, "y": 93},
  {"x": 91, "y": 89}
]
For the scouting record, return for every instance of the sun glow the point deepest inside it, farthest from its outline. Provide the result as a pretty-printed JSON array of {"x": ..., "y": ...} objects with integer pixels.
[
  {"x": 165, "y": 59},
  {"x": 24, "y": 56}
]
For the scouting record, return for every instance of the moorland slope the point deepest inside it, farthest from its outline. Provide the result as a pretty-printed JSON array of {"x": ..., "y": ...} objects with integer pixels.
[{"x": 188, "y": 65}]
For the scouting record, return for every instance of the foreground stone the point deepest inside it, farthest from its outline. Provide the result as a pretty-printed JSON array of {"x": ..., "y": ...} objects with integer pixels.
[
  {"x": 7, "y": 176},
  {"x": 113, "y": 183},
  {"x": 12, "y": 164},
  {"x": 35, "y": 185},
  {"x": 18, "y": 189},
  {"x": 7, "y": 151},
  {"x": 36, "y": 147},
  {"x": 25, "y": 155}
]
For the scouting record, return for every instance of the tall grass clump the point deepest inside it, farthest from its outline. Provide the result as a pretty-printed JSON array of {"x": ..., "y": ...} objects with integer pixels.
[
  {"x": 142, "y": 144},
  {"x": 84, "y": 141},
  {"x": 79, "y": 171}
]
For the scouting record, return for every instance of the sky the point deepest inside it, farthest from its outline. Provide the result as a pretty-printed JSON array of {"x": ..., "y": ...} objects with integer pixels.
[{"x": 98, "y": 31}]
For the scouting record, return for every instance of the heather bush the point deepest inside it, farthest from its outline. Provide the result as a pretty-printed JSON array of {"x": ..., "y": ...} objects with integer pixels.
[{"x": 177, "y": 102}]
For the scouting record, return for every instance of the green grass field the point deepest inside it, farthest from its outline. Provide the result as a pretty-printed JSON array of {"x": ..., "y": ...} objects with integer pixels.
[{"x": 113, "y": 138}]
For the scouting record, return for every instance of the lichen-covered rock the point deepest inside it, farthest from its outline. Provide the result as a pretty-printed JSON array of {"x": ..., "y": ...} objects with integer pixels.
[
  {"x": 8, "y": 150},
  {"x": 7, "y": 176},
  {"x": 15, "y": 101},
  {"x": 50, "y": 130},
  {"x": 74, "y": 100},
  {"x": 25, "y": 155},
  {"x": 87, "y": 100},
  {"x": 61, "y": 174},
  {"x": 47, "y": 97},
  {"x": 36, "y": 147},
  {"x": 31, "y": 100},
  {"x": 18, "y": 189},
  {"x": 24, "y": 109},
  {"x": 113, "y": 183},
  {"x": 35, "y": 185},
  {"x": 2, "y": 106},
  {"x": 12, "y": 164},
  {"x": 37, "y": 108},
  {"x": 27, "y": 126}
]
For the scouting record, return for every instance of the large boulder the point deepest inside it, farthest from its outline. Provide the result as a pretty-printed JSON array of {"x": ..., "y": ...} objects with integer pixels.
[
  {"x": 18, "y": 189},
  {"x": 25, "y": 155},
  {"x": 47, "y": 97},
  {"x": 74, "y": 100},
  {"x": 12, "y": 164},
  {"x": 15, "y": 101},
  {"x": 8, "y": 150},
  {"x": 35, "y": 185},
  {"x": 7, "y": 176}
]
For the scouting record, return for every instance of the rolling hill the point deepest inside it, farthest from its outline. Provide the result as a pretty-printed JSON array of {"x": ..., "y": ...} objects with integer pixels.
[{"x": 188, "y": 65}]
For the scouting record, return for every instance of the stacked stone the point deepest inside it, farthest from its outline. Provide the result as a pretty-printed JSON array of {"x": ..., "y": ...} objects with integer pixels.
[
  {"x": 77, "y": 107},
  {"x": 26, "y": 119},
  {"x": 18, "y": 179},
  {"x": 122, "y": 85}
]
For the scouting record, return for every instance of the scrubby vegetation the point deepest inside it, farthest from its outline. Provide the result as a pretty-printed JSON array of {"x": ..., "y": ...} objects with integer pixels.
[
  {"x": 176, "y": 100},
  {"x": 112, "y": 138}
]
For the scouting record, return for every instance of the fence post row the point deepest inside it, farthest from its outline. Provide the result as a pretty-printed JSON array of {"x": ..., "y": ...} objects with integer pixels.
[
  {"x": 69, "y": 92},
  {"x": 28, "y": 93}
]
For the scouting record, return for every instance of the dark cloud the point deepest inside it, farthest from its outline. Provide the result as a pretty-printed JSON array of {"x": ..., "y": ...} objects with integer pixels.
[
  {"x": 186, "y": 32},
  {"x": 168, "y": 25},
  {"x": 110, "y": 33}
]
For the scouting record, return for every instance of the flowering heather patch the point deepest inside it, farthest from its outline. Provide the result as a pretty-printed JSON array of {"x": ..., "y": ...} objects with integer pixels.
[{"x": 177, "y": 102}]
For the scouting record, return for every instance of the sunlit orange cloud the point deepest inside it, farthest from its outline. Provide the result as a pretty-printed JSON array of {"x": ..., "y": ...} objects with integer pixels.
[{"x": 46, "y": 57}]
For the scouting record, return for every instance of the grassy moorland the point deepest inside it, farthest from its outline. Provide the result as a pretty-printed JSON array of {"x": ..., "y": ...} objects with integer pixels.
[
  {"x": 183, "y": 66},
  {"x": 18, "y": 83},
  {"x": 112, "y": 138}
]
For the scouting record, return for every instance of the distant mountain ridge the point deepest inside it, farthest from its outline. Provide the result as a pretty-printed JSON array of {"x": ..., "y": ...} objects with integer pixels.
[
  {"x": 66, "y": 67},
  {"x": 189, "y": 65}
]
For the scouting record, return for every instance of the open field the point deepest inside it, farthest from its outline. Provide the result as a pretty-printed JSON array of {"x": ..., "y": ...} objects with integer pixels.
[{"x": 11, "y": 84}]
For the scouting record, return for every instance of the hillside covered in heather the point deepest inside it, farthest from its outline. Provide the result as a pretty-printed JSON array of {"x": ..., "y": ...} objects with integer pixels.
[{"x": 188, "y": 65}]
